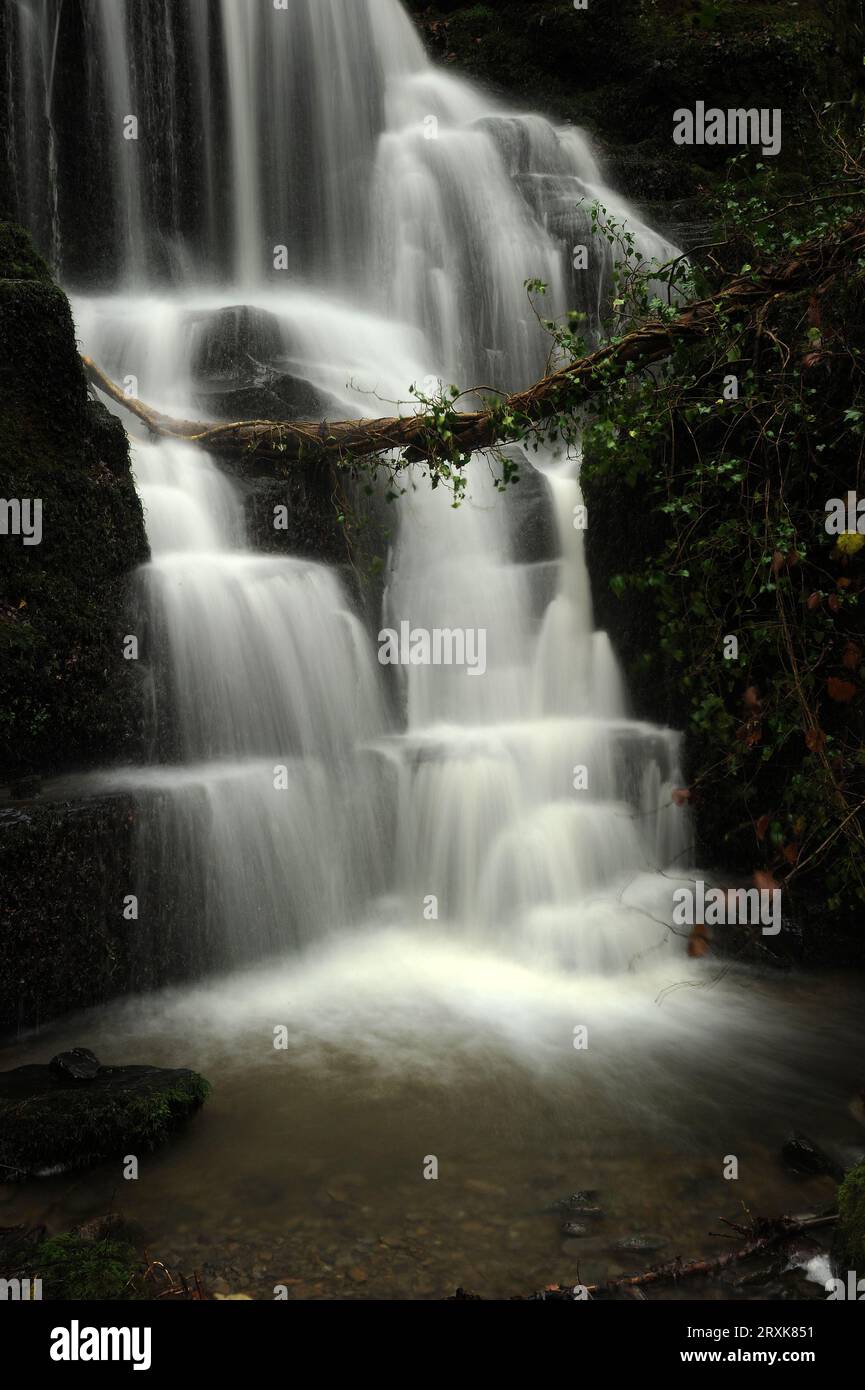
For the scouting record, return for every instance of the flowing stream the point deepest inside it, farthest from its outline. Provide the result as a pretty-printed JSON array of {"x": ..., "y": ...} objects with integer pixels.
[{"x": 465, "y": 938}]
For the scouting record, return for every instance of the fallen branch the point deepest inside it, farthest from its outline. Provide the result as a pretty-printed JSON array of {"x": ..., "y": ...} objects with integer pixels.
[
  {"x": 764, "y": 1236},
  {"x": 813, "y": 265},
  {"x": 767, "y": 1234}
]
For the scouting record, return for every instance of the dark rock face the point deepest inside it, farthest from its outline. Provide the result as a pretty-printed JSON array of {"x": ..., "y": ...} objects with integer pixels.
[
  {"x": 268, "y": 396},
  {"x": 68, "y": 864},
  {"x": 51, "y": 1122},
  {"x": 68, "y": 697},
  {"x": 239, "y": 365},
  {"x": 78, "y": 1065},
  {"x": 66, "y": 867},
  {"x": 530, "y": 516},
  {"x": 231, "y": 342},
  {"x": 802, "y": 1155},
  {"x": 303, "y": 501},
  {"x": 620, "y": 527}
]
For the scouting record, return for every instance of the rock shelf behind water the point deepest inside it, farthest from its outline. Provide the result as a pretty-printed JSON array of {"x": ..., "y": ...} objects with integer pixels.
[{"x": 52, "y": 1119}]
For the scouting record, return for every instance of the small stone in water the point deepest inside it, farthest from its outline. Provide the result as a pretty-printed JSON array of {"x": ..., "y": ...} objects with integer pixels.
[
  {"x": 583, "y": 1203},
  {"x": 804, "y": 1156},
  {"x": 573, "y": 1228},
  {"x": 484, "y": 1188},
  {"x": 645, "y": 1245}
]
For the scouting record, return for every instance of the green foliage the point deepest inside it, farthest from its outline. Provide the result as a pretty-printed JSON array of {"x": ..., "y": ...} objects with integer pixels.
[
  {"x": 737, "y": 489},
  {"x": 73, "y": 1268},
  {"x": 851, "y": 1222}
]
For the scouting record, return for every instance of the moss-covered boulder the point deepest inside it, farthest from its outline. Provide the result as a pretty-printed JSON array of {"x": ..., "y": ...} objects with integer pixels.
[
  {"x": 73, "y": 1268},
  {"x": 849, "y": 1250},
  {"x": 50, "y": 1123},
  {"x": 100, "y": 1261},
  {"x": 67, "y": 696}
]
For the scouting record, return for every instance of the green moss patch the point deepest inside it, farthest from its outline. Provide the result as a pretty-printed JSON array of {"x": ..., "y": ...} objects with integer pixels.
[
  {"x": 850, "y": 1243},
  {"x": 67, "y": 697},
  {"x": 72, "y": 1267},
  {"x": 47, "y": 1124}
]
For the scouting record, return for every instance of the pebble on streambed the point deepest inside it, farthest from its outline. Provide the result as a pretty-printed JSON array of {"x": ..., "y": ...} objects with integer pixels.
[{"x": 74, "y": 1112}]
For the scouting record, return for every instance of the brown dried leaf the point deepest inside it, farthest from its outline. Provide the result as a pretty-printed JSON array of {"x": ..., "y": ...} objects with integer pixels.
[
  {"x": 840, "y": 690},
  {"x": 698, "y": 941},
  {"x": 815, "y": 740},
  {"x": 765, "y": 880}
]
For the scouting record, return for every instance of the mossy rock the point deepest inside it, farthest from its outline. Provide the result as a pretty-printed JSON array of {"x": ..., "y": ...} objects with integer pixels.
[
  {"x": 49, "y": 1125},
  {"x": 67, "y": 696},
  {"x": 101, "y": 1261},
  {"x": 849, "y": 1249},
  {"x": 19, "y": 259},
  {"x": 73, "y": 1268}
]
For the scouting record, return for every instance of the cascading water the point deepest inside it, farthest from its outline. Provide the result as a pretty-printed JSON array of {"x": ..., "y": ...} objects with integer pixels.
[
  {"x": 413, "y": 872},
  {"x": 430, "y": 208}
]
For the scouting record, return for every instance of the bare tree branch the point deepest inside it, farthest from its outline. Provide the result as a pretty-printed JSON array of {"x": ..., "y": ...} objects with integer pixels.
[{"x": 274, "y": 443}]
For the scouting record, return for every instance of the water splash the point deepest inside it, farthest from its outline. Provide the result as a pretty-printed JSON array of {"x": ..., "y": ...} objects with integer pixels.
[{"x": 308, "y": 797}]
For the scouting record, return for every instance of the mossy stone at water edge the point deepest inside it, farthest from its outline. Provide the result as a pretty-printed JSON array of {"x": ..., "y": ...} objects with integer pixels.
[
  {"x": 49, "y": 1124},
  {"x": 98, "y": 1261},
  {"x": 67, "y": 696},
  {"x": 850, "y": 1239},
  {"x": 72, "y": 1268}
]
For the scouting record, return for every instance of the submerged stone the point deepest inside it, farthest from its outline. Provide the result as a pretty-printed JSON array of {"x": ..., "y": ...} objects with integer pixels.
[
  {"x": 579, "y": 1203},
  {"x": 802, "y": 1155},
  {"x": 574, "y": 1230},
  {"x": 51, "y": 1121},
  {"x": 642, "y": 1245}
]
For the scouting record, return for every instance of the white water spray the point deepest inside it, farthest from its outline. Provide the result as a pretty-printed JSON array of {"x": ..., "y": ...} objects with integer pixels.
[{"x": 412, "y": 210}]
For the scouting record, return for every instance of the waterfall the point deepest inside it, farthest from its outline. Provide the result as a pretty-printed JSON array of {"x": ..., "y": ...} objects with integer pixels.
[{"x": 310, "y": 791}]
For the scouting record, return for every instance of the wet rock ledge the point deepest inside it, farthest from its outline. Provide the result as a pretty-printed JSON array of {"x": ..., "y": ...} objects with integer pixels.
[{"x": 74, "y": 1112}]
